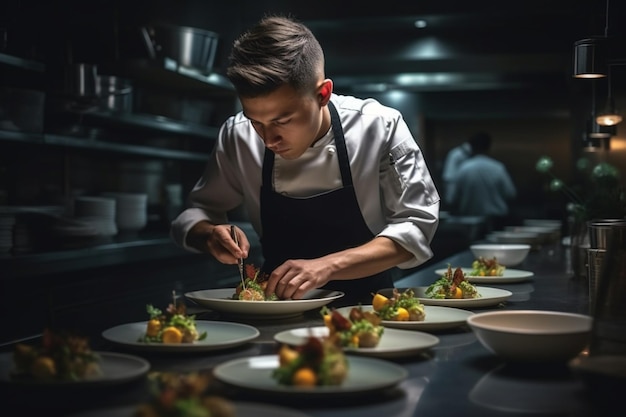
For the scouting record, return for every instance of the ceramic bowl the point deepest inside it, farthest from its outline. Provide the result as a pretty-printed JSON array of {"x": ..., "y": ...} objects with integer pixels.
[
  {"x": 532, "y": 335},
  {"x": 507, "y": 254}
]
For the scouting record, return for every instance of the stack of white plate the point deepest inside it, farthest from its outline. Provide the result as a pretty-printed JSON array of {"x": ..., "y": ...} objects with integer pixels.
[
  {"x": 131, "y": 211},
  {"x": 98, "y": 212}
]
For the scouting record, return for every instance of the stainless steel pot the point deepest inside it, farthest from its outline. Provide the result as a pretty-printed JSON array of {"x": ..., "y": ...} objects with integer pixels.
[
  {"x": 187, "y": 46},
  {"x": 114, "y": 94}
]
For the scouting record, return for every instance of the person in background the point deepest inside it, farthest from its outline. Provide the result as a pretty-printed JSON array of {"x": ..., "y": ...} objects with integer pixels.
[
  {"x": 483, "y": 186},
  {"x": 455, "y": 157},
  {"x": 336, "y": 186}
]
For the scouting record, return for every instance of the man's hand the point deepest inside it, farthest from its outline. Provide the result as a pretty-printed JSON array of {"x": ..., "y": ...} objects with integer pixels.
[
  {"x": 296, "y": 277},
  {"x": 216, "y": 240}
]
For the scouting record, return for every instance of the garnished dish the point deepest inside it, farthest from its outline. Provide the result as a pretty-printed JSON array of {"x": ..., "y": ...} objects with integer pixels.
[
  {"x": 482, "y": 267},
  {"x": 401, "y": 306},
  {"x": 360, "y": 329},
  {"x": 183, "y": 395},
  {"x": 172, "y": 326},
  {"x": 452, "y": 285},
  {"x": 253, "y": 287},
  {"x": 317, "y": 362},
  {"x": 61, "y": 357}
]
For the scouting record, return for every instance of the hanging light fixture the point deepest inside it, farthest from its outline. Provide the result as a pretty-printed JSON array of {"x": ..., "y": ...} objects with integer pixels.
[
  {"x": 609, "y": 116},
  {"x": 590, "y": 58}
]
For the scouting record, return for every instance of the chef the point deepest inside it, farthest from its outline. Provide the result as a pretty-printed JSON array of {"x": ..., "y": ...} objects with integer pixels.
[{"x": 335, "y": 186}]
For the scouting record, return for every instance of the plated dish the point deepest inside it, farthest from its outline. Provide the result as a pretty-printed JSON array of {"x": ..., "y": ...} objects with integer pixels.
[
  {"x": 242, "y": 409},
  {"x": 220, "y": 335},
  {"x": 221, "y": 300},
  {"x": 489, "y": 297},
  {"x": 117, "y": 368},
  {"x": 393, "y": 343},
  {"x": 437, "y": 318},
  {"x": 509, "y": 276},
  {"x": 366, "y": 375}
]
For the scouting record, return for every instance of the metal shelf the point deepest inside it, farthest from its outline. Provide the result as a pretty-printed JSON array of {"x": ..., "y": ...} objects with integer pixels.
[
  {"x": 22, "y": 63},
  {"x": 87, "y": 143}
]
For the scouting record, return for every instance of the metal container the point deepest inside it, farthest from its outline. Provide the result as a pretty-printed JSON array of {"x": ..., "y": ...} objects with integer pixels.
[
  {"x": 188, "y": 47},
  {"x": 114, "y": 94},
  {"x": 599, "y": 231}
]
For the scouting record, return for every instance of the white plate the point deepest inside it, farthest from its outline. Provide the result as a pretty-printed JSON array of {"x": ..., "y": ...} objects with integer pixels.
[
  {"x": 117, "y": 368},
  {"x": 437, "y": 318},
  {"x": 365, "y": 376},
  {"x": 489, "y": 297},
  {"x": 508, "y": 276},
  {"x": 220, "y": 335},
  {"x": 242, "y": 409},
  {"x": 221, "y": 300},
  {"x": 393, "y": 343}
]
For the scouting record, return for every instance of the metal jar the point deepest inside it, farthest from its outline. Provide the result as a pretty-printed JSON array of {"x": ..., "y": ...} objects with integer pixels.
[{"x": 189, "y": 47}]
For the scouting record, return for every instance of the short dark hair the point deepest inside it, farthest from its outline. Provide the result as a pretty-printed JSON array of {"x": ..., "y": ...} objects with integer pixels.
[
  {"x": 481, "y": 142},
  {"x": 276, "y": 51}
]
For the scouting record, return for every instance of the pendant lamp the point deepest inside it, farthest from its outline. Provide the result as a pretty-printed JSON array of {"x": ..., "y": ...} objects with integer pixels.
[
  {"x": 609, "y": 116},
  {"x": 590, "y": 58}
]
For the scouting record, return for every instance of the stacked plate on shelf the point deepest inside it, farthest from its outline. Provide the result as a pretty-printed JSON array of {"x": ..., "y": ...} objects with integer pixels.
[
  {"x": 98, "y": 212},
  {"x": 131, "y": 212}
]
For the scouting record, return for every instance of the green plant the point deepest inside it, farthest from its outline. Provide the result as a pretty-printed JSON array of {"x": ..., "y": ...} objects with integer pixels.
[{"x": 599, "y": 196}]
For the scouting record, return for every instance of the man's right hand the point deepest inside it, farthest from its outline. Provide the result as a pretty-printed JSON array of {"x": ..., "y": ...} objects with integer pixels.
[{"x": 216, "y": 240}]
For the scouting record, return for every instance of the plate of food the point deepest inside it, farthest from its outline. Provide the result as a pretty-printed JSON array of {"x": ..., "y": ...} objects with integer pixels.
[
  {"x": 508, "y": 276},
  {"x": 239, "y": 409},
  {"x": 189, "y": 394},
  {"x": 486, "y": 296},
  {"x": 66, "y": 360},
  {"x": 435, "y": 318},
  {"x": 393, "y": 342},
  {"x": 222, "y": 300},
  {"x": 329, "y": 373},
  {"x": 219, "y": 335}
]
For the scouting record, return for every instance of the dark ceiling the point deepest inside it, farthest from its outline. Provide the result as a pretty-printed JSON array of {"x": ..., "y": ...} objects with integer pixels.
[{"x": 475, "y": 45}]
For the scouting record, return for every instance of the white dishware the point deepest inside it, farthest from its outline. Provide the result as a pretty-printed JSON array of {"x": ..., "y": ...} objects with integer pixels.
[
  {"x": 131, "y": 210},
  {"x": 509, "y": 276},
  {"x": 532, "y": 335},
  {"x": 507, "y": 254},
  {"x": 488, "y": 297},
  {"x": 393, "y": 343},
  {"x": 221, "y": 300},
  {"x": 220, "y": 335},
  {"x": 365, "y": 377},
  {"x": 436, "y": 318},
  {"x": 117, "y": 368}
]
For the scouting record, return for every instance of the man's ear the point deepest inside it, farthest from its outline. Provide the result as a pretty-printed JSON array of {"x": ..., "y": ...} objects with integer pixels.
[{"x": 325, "y": 91}]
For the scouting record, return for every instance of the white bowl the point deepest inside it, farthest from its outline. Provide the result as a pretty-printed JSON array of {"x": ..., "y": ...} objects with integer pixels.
[
  {"x": 532, "y": 335},
  {"x": 507, "y": 254}
]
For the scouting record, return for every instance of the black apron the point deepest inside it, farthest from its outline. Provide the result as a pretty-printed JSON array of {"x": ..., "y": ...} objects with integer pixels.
[{"x": 308, "y": 228}]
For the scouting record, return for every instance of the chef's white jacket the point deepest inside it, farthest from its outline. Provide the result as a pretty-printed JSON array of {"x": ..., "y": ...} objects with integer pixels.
[{"x": 393, "y": 185}]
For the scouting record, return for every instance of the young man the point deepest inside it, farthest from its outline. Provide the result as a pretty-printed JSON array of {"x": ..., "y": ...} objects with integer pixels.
[{"x": 335, "y": 186}]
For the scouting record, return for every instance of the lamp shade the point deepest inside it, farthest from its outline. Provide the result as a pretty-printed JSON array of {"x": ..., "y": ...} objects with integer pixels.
[{"x": 590, "y": 58}]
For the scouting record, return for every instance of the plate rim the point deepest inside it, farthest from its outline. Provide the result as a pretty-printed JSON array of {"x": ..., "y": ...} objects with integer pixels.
[
  {"x": 377, "y": 351},
  {"x": 462, "y": 302},
  {"x": 251, "y": 308},
  {"x": 184, "y": 347},
  {"x": 143, "y": 367},
  {"x": 424, "y": 325},
  {"x": 329, "y": 391}
]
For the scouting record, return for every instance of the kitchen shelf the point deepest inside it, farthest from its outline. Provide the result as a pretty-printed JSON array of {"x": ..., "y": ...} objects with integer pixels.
[
  {"x": 88, "y": 143},
  {"x": 22, "y": 63},
  {"x": 149, "y": 122},
  {"x": 166, "y": 75}
]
